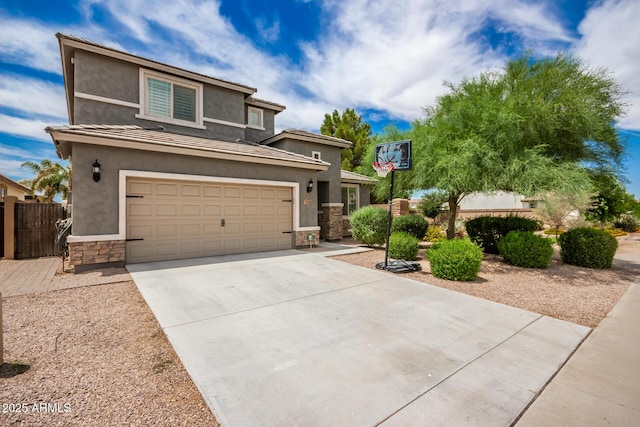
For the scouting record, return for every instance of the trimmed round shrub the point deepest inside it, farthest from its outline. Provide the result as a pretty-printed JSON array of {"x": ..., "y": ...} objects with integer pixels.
[
  {"x": 415, "y": 225},
  {"x": 455, "y": 260},
  {"x": 487, "y": 230},
  {"x": 403, "y": 245},
  {"x": 588, "y": 247},
  {"x": 369, "y": 226},
  {"x": 525, "y": 249},
  {"x": 434, "y": 234}
]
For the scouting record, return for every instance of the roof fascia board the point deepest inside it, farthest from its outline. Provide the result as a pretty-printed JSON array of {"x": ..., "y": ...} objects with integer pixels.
[
  {"x": 265, "y": 104},
  {"x": 307, "y": 138},
  {"x": 161, "y": 148},
  {"x": 155, "y": 65}
]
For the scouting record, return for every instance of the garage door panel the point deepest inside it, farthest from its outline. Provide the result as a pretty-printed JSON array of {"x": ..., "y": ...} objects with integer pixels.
[
  {"x": 183, "y": 219},
  {"x": 212, "y": 191},
  {"x": 251, "y": 227},
  {"x": 250, "y": 193},
  {"x": 190, "y": 210},
  {"x": 232, "y": 228},
  {"x": 233, "y": 192},
  {"x": 251, "y": 210},
  {"x": 166, "y": 210},
  {"x": 268, "y": 210},
  {"x": 190, "y": 230},
  {"x": 212, "y": 210},
  {"x": 190, "y": 190},
  {"x": 191, "y": 248},
  {"x": 212, "y": 229},
  {"x": 166, "y": 231},
  {"x": 268, "y": 194},
  {"x": 139, "y": 210},
  {"x": 139, "y": 188},
  {"x": 166, "y": 248},
  {"x": 232, "y": 210},
  {"x": 139, "y": 230},
  {"x": 166, "y": 189}
]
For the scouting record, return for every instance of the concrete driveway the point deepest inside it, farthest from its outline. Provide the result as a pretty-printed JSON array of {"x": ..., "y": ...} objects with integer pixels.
[{"x": 285, "y": 338}]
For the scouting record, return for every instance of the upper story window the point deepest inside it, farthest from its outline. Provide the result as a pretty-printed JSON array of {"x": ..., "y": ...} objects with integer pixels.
[
  {"x": 169, "y": 99},
  {"x": 255, "y": 118}
]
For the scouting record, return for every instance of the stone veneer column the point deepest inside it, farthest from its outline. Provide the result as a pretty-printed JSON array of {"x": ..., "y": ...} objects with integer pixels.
[
  {"x": 87, "y": 255},
  {"x": 332, "y": 221},
  {"x": 302, "y": 237},
  {"x": 399, "y": 207}
]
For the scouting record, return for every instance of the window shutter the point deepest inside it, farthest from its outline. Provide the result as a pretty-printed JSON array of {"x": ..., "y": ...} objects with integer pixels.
[
  {"x": 158, "y": 98},
  {"x": 184, "y": 103}
]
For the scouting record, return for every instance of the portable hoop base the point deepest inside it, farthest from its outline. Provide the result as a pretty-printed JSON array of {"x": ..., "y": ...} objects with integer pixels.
[{"x": 399, "y": 266}]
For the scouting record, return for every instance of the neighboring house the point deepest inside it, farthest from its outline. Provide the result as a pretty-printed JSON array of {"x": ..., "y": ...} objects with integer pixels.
[
  {"x": 170, "y": 164},
  {"x": 499, "y": 203},
  {"x": 9, "y": 187}
]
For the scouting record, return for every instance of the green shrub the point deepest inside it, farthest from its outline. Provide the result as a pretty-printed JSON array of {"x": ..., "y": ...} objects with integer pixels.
[
  {"x": 487, "y": 230},
  {"x": 403, "y": 245},
  {"x": 525, "y": 249},
  {"x": 588, "y": 247},
  {"x": 629, "y": 223},
  {"x": 415, "y": 225},
  {"x": 369, "y": 225},
  {"x": 455, "y": 260},
  {"x": 434, "y": 234}
]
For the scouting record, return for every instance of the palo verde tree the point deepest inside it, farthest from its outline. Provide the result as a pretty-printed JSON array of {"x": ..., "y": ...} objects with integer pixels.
[
  {"x": 610, "y": 201},
  {"x": 348, "y": 126},
  {"x": 529, "y": 129},
  {"x": 51, "y": 178}
]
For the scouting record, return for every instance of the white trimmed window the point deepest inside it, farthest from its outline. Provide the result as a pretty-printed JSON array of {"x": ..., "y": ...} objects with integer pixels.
[
  {"x": 255, "y": 118},
  {"x": 169, "y": 99},
  {"x": 349, "y": 199}
]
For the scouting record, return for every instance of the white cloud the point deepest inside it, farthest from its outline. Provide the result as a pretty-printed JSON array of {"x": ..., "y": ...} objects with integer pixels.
[
  {"x": 29, "y": 128},
  {"x": 610, "y": 39},
  {"x": 33, "y": 96},
  {"x": 29, "y": 43},
  {"x": 12, "y": 169}
]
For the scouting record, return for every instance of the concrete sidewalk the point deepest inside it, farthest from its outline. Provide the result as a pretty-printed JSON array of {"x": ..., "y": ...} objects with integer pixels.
[{"x": 600, "y": 384}]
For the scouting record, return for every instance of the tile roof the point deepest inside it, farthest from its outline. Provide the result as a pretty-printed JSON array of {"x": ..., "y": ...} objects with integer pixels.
[
  {"x": 308, "y": 136},
  {"x": 348, "y": 176},
  {"x": 130, "y": 136}
]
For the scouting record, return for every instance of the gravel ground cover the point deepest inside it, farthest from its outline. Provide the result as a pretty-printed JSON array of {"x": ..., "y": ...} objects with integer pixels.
[
  {"x": 92, "y": 356},
  {"x": 95, "y": 355},
  {"x": 579, "y": 295}
]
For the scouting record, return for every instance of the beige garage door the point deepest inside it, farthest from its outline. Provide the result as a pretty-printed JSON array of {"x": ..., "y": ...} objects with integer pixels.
[{"x": 183, "y": 219}]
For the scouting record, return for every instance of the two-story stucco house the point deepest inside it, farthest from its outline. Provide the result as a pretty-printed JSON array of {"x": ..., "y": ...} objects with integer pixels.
[{"x": 170, "y": 164}]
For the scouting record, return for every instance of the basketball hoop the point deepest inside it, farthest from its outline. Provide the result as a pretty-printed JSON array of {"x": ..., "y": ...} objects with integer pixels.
[{"x": 383, "y": 168}]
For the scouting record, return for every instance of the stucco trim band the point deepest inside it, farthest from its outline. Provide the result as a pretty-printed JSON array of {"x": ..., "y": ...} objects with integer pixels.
[{"x": 106, "y": 100}]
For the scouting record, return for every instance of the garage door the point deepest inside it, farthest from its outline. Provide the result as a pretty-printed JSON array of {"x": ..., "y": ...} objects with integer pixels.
[{"x": 183, "y": 219}]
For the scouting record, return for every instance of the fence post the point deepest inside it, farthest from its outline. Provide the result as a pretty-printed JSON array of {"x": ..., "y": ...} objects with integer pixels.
[{"x": 9, "y": 226}]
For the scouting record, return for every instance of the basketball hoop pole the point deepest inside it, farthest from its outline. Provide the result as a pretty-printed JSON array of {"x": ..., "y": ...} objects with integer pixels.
[{"x": 386, "y": 246}]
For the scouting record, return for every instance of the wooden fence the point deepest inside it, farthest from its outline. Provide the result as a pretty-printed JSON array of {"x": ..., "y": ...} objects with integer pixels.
[{"x": 35, "y": 229}]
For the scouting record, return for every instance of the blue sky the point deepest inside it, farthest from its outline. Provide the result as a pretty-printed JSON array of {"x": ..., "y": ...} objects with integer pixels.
[{"x": 387, "y": 59}]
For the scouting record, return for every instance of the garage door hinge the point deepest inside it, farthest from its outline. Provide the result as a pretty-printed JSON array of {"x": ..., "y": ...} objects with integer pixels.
[
  {"x": 133, "y": 240},
  {"x": 288, "y": 200},
  {"x": 134, "y": 197},
  {"x": 287, "y": 232}
]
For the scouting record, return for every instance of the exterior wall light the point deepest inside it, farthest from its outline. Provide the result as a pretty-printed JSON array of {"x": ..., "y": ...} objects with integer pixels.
[
  {"x": 96, "y": 171},
  {"x": 310, "y": 186}
]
